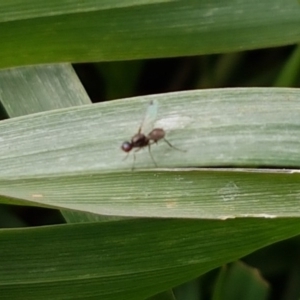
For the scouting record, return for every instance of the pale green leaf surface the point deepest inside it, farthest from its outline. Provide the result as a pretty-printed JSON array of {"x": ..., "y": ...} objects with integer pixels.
[
  {"x": 40, "y": 88},
  {"x": 77, "y": 261},
  {"x": 179, "y": 194},
  {"x": 60, "y": 33},
  {"x": 240, "y": 127},
  {"x": 79, "y": 148}
]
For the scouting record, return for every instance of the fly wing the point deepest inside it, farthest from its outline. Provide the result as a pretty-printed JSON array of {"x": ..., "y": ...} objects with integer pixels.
[{"x": 150, "y": 118}]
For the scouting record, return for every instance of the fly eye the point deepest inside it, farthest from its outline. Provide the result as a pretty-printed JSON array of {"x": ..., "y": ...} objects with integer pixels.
[{"x": 126, "y": 146}]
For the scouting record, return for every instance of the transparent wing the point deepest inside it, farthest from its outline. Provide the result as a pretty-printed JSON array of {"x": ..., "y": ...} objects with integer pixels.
[{"x": 150, "y": 117}]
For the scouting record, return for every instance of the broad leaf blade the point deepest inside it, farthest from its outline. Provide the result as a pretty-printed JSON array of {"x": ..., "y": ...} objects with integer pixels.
[
  {"x": 11, "y": 10},
  {"x": 235, "y": 127},
  {"x": 41, "y": 88},
  {"x": 106, "y": 32},
  {"x": 149, "y": 255},
  {"x": 79, "y": 149},
  {"x": 178, "y": 194}
]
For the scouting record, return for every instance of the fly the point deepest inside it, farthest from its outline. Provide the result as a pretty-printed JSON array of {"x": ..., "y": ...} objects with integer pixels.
[{"x": 141, "y": 140}]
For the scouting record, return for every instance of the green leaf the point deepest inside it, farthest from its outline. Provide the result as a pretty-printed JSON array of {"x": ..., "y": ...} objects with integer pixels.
[
  {"x": 239, "y": 281},
  {"x": 10, "y": 10},
  {"x": 40, "y": 88},
  {"x": 240, "y": 127},
  {"x": 71, "y": 158},
  {"x": 163, "y": 296},
  {"x": 289, "y": 76},
  {"x": 180, "y": 194},
  {"x": 101, "y": 31},
  {"x": 149, "y": 256}
]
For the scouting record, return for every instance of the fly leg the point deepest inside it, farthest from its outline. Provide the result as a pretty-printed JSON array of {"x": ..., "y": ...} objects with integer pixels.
[
  {"x": 134, "y": 158},
  {"x": 173, "y": 146},
  {"x": 149, "y": 148},
  {"x": 125, "y": 157},
  {"x": 133, "y": 162}
]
